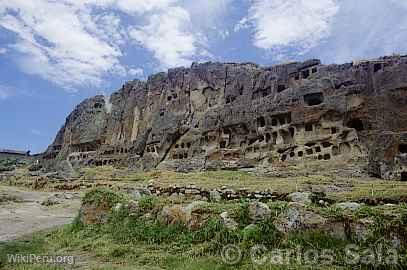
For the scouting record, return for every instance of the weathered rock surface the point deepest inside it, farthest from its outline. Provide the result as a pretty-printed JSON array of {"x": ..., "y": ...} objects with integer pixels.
[
  {"x": 228, "y": 221},
  {"x": 52, "y": 200},
  {"x": 190, "y": 215},
  {"x": 353, "y": 206},
  {"x": 228, "y": 116},
  {"x": 298, "y": 218},
  {"x": 259, "y": 211},
  {"x": 93, "y": 213},
  {"x": 300, "y": 197}
]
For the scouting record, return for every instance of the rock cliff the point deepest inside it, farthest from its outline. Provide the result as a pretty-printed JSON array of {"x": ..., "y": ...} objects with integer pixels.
[{"x": 229, "y": 116}]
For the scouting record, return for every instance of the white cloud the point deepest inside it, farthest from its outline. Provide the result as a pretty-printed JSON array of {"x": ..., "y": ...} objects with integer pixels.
[
  {"x": 208, "y": 14},
  {"x": 137, "y": 72},
  {"x": 168, "y": 36},
  {"x": 143, "y": 6},
  {"x": 299, "y": 24},
  {"x": 61, "y": 43},
  {"x": 359, "y": 32},
  {"x": 242, "y": 24},
  {"x": 3, "y": 50},
  {"x": 76, "y": 43}
]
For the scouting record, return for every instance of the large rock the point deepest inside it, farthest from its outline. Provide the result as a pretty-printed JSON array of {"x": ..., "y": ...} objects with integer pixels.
[
  {"x": 298, "y": 218},
  {"x": 228, "y": 221},
  {"x": 191, "y": 215},
  {"x": 300, "y": 197},
  {"x": 65, "y": 170},
  {"x": 259, "y": 211},
  {"x": 52, "y": 200},
  {"x": 215, "y": 196},
  {"x": 353, "y": 206},
  {"x": 93, "y": 213},
  {"x": 138, "y": 193}
]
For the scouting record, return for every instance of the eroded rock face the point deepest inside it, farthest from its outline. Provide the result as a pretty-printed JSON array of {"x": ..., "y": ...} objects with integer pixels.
[
  {"x": 191, "y": 215},
  {"x": 259, "y": 211},
  {"x": 228, "y": 116},
  {"x": 298, "y": 218},
  {"x": 94, "y": 214}
]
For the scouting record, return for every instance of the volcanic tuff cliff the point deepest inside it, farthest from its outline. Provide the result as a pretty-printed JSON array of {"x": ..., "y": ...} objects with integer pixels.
[{"x": 215, "y": 115}]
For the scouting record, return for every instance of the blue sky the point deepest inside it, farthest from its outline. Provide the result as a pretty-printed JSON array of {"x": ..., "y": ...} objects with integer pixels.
[{"x": 55, "y": 53}]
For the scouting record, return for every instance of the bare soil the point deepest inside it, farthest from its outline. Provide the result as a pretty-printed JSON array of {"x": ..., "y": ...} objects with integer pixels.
[{"x": 21, "y": 212}]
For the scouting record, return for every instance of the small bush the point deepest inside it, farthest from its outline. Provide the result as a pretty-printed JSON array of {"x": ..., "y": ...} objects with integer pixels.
[
  {"x": 103, "y": 196},
  {"x": 263, "y": 233},
  {"x": 242, "y": 214},
  {"x": 148, "y": 203}
]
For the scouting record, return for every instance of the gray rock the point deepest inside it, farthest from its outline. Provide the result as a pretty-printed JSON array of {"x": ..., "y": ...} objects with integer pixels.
[
  {"x": 259, "y": 211},
  {"x": 195, "y": 205},
  {"x": 189, "y": 215},
  {"x": 94, "y": 214},
  {"x": 138, "y": 193},
  {"x": 300, "y": 197},
  {"x": 353, "y": 206},
  {"x": 215, "y": 196},
  {"x": 298, "y": 218},
  {"x": 133, "y": 207},
  {"x": 65, "y": 170},
  {"x": 52, "y": 200},
  {"x": 228, "y": 221}
]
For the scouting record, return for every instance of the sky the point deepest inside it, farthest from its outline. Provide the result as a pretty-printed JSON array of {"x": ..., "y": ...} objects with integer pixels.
[{"x": 55, "y": 53}]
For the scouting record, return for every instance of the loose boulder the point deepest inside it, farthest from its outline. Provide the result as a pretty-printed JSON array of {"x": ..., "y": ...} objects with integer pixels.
[
  {"x": 298, "y": 218},
  {"x": 228, "y": 221},
  {"x": 259, "y": 211},
  {"x": 300, "y": 197},
  {"x": 94, "y": 213},
  {"x": 52, "y": 200},
  {"x": 65, "y": 170},
  {"x": 191, "y": 215},
  {"x": 353, "y": 206}
]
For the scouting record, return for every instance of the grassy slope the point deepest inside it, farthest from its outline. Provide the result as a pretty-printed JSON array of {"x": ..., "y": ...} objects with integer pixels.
[
  {"x": 348, "y": 188},
  {"x": 125, "y": 245},
  {"x": 135, "y": 243}
]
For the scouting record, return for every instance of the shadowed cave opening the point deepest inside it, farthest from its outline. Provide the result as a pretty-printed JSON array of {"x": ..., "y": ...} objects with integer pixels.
[
  {"x": 305, "y": 74},
  {"x": 403, "y": 148},
  {"x": 281, "y": 88},
  {"x": 309, "y": 127},
  {"x": 377, "y": 67},
  {"x": 403, "y": 176},
  {"x": 261, "y": 122},
  {"x": 314, "y": 99},
  {"x": 355, "y": 123}
]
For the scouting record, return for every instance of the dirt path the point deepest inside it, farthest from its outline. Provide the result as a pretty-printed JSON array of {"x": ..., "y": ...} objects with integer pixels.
[{"x": 21, "y": 212}]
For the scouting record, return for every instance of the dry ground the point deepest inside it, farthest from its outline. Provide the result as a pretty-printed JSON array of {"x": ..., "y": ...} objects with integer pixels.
[{"x": 21, "y": 212}]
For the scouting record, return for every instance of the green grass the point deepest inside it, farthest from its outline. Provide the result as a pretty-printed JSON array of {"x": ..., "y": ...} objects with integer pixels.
[
  {"x": 339, "y": 188},
  {"x": 132, "y": 242},
  {"x": 103, "y": 196}
]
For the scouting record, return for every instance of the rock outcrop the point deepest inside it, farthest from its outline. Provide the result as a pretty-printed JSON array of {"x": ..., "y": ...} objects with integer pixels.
[{"x": 230, "y": 116}]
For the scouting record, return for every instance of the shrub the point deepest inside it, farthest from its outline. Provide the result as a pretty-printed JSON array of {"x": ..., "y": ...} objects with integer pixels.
[
  {"x": 148, "y": 203},
  {"x": 242, "y": 214},
  {"x": 103, "y": 196}
]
